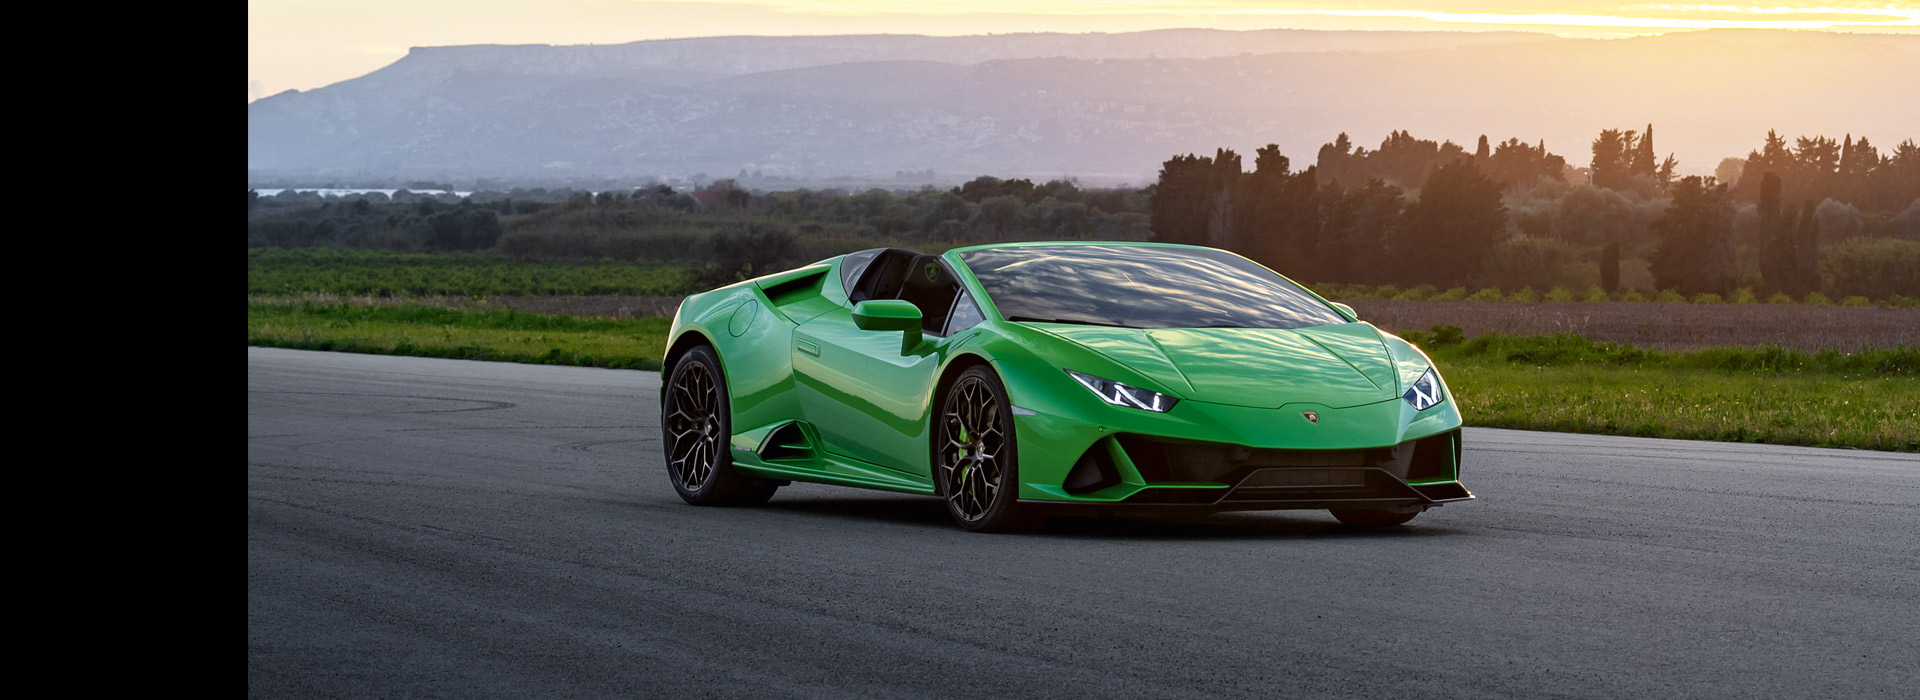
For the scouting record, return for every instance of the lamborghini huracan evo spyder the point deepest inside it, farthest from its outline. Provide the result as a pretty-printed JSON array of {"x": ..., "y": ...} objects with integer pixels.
[{"x": 1024, "y": 380}]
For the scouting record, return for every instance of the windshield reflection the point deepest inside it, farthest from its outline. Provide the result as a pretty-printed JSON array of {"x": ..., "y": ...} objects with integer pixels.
[{"x": 1142, "y": 287}]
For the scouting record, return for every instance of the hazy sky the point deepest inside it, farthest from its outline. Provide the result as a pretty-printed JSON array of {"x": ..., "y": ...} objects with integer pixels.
[{"x": 302, "y": 44}]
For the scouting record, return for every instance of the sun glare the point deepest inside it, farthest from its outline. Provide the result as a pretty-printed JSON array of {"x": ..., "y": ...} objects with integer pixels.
[{"x": 1588, "y": 15}]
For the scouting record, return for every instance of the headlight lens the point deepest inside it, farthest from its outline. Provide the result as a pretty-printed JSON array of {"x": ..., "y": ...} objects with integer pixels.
[
  {"x": 1425, "y": 392},
  {"x": 1122, "y": 395}
]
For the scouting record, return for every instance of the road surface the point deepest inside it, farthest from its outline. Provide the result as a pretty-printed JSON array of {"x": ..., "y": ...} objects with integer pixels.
[{"x": 464, "y": 529}]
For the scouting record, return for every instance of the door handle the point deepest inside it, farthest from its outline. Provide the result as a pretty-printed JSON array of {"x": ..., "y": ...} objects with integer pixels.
[{"x": 806, "y": 347}]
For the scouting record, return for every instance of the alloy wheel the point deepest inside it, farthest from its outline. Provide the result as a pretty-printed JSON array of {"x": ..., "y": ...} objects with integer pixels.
[
  {"x": 693, "y": 426},
  {"x": 972, "y": 466}
]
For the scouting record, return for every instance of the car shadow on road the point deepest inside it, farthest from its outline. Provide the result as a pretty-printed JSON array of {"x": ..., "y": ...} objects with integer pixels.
[
  {"x": 1276, "y": 525},
  {"x": 927, "y": 512},
  {"x": 905, "y": 511}
]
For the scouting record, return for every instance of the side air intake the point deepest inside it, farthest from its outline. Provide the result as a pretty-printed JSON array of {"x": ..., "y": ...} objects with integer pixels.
[
  {"x": 1094, "y": 470},
  {"x": 787, "y": 442}
]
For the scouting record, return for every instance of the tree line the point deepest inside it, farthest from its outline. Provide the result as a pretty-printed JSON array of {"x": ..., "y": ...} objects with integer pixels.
[
  {"x": 1417, "y": 212},
  {"x": 1820, "y": 214}
]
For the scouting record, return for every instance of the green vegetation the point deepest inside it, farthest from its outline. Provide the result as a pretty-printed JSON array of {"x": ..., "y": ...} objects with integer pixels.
[
  {"x": 1427, "y": 292},
  {"x": 387, "y": 273},
  {"x": 1867, "y": 399},
  {"x": 1820, "y": 215},
  {"x": 422, "y": 331}
]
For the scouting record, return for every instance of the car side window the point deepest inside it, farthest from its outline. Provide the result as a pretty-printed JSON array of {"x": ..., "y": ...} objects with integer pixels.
[
  {"x": 852, "y": 266},
  {"x": 883, "y": 277},
  {"x": 965, "y": 314}
]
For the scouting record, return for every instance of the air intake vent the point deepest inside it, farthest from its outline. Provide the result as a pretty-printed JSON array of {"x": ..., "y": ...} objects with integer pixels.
[
  {"x": 1434, "y": 458},
  {"x": 1094, "y": 470},
  {"x": 1295, "y": 477},
  {"x": 787, "y": 442}
]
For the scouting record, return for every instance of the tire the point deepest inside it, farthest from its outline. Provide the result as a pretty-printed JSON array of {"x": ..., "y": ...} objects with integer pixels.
[
  {"x": 1372, "y": 517},
  {"x": 696, "y": 425},
  {"x": 976, "y": 466}
]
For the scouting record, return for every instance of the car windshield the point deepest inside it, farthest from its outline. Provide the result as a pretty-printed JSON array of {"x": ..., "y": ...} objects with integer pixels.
[{"x": 1141, "y": 287}]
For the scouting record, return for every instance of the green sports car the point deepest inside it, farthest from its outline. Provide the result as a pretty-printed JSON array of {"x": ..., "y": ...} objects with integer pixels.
[{"x": 1019, "y": 381}]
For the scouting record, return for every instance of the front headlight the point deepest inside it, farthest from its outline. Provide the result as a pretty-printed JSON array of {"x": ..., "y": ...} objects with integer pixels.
[
  {"x": 1425, "y": 392},
  {"x": 1122, "y": 395}
]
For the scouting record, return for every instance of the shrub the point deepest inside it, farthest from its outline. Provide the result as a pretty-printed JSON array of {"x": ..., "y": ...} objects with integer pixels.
[
  {"x": 1559, "y": 294},
  {"x": 1707, "y": 299},
  {"x": 1419, "y": 293},
  {"x": 1537, "y": 263},
  {"x": 1876, "y": 268},
  {"x": 1817, "y": 299},
  {"x": 1488, "y": 294},
  {"x": 1855, "y": 301},
  {"x": 1447, "y": 335},
  {"x": 1744, "y": 296},
  {"x": 1596, "y": 294},
  {"x": 1781, "y": 298},
  {"x": 1385, "y": 291},
  {"x": 748, "y": 251},
  {"x": 1899, "y": 302},
  {"x": 1455, "y": 294},
  {"x": 1632, "y": 296},
  {"x": 1668, "y": 296},
  {"x": 1524, "y": 295}
]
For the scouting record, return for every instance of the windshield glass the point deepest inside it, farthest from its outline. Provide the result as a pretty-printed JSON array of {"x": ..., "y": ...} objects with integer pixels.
[{"x": 1142, "y": 287}]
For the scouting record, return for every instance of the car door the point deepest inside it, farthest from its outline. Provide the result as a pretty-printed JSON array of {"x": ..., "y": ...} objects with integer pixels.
[{"x": 865, "y": 397}]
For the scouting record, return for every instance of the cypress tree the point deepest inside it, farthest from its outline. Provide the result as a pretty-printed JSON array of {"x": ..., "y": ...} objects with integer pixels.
[
  {"x": 1610, "y": 267},
  {"x": 1483, "y": 151},
  {"x": 1807, "y": 253},
  {"x": 1447, "y": 235},
  {"x": 1644, "y": 162},
  {"x": 1777, "y": 270},
  {"x": 1694, "y": 254}
]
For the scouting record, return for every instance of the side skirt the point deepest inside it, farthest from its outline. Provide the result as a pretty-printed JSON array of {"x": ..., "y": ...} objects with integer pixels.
[{"x": 829, "y": 470}]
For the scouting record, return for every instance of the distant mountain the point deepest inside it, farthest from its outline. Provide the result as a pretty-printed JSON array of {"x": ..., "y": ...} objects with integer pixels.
[{"x": 1104, "y": 107}]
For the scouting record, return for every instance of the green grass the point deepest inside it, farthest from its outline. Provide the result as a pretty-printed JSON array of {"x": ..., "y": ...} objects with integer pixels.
[
  {"x": 283, "y": 272},
  {"x": 1877, "y": 413},
  {"x": 1336, "y": 291},
  {"x": 1868, "y": 399},
  {"x": 497, "y": 335}
]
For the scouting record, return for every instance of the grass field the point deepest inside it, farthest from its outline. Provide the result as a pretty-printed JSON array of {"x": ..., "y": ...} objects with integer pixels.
[
  {"x": 1867, "y": 399},
  {"x": 502, "y": 335},
  {"x": 1658, "y": 325},
  {"x": 273, "y": 271}
]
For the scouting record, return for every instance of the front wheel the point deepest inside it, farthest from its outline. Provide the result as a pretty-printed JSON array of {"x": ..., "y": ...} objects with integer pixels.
[
  {"x": 1373, "y": 517},
  {"x": 695, "y": 426},
  {"x": 976, "y": 467}
]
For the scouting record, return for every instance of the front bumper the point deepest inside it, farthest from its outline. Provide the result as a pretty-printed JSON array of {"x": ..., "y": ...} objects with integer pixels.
[{"x": 1203, "y": 458}]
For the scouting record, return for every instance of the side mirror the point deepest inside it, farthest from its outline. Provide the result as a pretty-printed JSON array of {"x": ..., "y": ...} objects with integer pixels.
[
  {"x": 1348, "y": 310},
  {"x": 890, "y": 315}
]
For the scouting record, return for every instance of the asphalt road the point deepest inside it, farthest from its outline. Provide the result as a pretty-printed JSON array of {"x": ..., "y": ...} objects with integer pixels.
[{"x": 462, "y": 529}]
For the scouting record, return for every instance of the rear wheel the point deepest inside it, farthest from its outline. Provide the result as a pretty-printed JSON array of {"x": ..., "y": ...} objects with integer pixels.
[
  {"x": 1374, "y": 517},
  {"x": 696, "y": 432},
  {"x": 975, "y": 466}
]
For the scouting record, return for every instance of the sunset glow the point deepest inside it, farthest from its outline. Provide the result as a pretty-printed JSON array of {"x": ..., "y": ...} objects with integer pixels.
[
  {"x": 303, "y": 45},
  {"x": 1647, "y": 16}
]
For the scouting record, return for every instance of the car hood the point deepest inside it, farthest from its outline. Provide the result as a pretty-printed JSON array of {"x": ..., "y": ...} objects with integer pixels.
[{"x": 1335, "y": 366}]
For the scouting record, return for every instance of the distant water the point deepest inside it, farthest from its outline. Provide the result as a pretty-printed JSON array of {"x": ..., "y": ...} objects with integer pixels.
[{"x": 348, "y": 192}]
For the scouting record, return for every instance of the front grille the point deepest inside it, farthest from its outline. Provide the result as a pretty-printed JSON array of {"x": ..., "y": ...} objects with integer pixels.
[
  {"x": 1306, "y": 478},
  {"x": 1226, "y": 464}
]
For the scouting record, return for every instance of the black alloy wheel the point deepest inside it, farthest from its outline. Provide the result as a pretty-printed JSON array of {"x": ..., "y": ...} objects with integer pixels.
[
  {"x": 695, "y": 426},
  {"x": 976, "y": 468}
]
